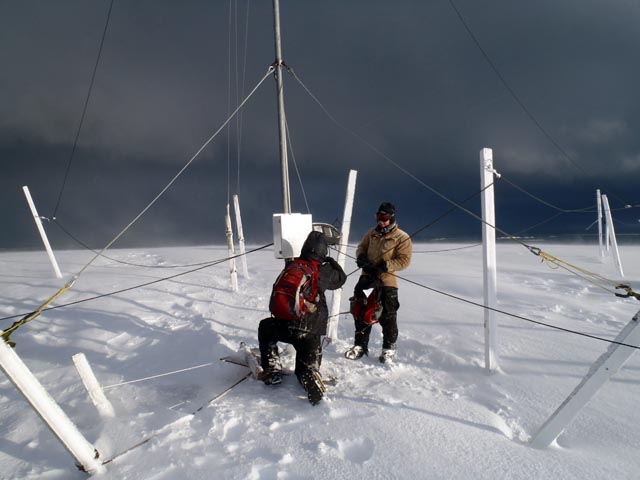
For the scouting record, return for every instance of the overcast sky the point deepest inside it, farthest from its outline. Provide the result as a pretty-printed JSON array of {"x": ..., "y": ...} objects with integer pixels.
[{"x": 405, "y": 76}]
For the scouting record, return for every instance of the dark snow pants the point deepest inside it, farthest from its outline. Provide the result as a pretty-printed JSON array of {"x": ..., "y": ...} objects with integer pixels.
[
  {"x": 388, "y": 321},
  {"x": 308, "y": 346}
]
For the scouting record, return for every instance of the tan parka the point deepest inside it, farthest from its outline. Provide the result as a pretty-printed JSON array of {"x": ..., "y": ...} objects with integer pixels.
[{"x": 393, "y": 247}]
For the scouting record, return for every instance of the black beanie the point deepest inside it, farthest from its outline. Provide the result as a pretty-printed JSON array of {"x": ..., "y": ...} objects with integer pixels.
[
  {"x": 387, "y": 207},
  {"x": 315, "y": 247}
]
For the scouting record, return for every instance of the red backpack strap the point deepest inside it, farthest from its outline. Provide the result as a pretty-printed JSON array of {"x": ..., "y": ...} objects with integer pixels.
[
  {"x": 311, "y": 268},
  {"x": 314, "y": 278}
]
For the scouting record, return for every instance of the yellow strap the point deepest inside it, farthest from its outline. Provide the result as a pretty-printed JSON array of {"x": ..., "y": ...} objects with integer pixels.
[
  {"x": 27, "y": 318},
  {"x": 555, "y": 262}
]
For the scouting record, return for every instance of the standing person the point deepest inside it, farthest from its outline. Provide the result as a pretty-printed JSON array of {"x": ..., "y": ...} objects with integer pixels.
[
  {"x": 305, "y": 334},
  {"x": 385, "y": 249}
]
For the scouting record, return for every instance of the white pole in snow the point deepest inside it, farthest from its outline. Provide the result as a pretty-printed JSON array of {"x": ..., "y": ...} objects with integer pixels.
[
  {"x": 62, "y": 427},
  {"x": 600, "y": 372},
  {"x": 232, "y": 261},
  {"x": 489, "y": 257},
  {"x": 93, "y": 386},
  {"x": 607, "y": 236},
  {"x": 599, "y": 203},
  {"x": 45, "y": 240},
  {"x": 612, "y": 235},
  {"x": 332, "y": 331},
  {"x": 243, "y": 258}
]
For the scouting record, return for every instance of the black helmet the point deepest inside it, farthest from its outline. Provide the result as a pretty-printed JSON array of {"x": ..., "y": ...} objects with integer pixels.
[{"x": 315, "y": 247}]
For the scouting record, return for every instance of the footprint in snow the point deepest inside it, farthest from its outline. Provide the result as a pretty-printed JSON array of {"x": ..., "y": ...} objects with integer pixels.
[{"x": 357, "y": 450}]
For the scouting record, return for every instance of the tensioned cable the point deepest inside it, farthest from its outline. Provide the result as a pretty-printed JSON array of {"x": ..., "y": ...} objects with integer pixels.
[
  {"x": 84, "y": 111},
  {"x": 84, "y": 245},
  {"x": 626, "y": 207},
  {"x": 552, "y": 217},
  {"x": 295, "y": 165},
  {"x": 395, "y": 164},
  {"x": 448, "y": 249},
  {"x": 180, "y": 172},
  {"x": 589, "y": 209},
  {"x": 244, "y": 75},
  {"x": 404, "y": 170},
  {"x": 455, "y": 297},
  {"x": 135, "y": 287},
  {"x": 519, "y": 317},
  {"x": 237, "y": 83},
  {"x": 158, "y": 375},
  {"x": 534, "y": 250},
  {"x": 615, "y": 220},
  {"x": 555, "y": 262},
  {"x": 428, "y": 225},
  {"x": 229, "y": 105},
  {"x": 433, "y": 222},
  {"x": 67, "y": 286},
  {"x": 578, "y": 271},
  {"x": 154, "y": 435},
  {"x": 517, "y": 234},
  {"x": 516, "y": 98}
]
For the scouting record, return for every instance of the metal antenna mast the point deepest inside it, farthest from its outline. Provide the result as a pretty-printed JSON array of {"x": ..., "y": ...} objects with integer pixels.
[{"x": 286, "y": 198}]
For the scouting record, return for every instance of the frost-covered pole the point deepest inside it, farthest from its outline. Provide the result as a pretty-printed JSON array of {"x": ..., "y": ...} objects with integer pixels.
[
  {"x": 599, "y": 203},
  {"x": 612, "y": 235},
  {"x": 286, "y": 199},
  {"x": 243, "y": 257},
  {"x": 45, "y": 240},
  {"x": 93, "y": 386},
  {"x": 607, "y": 237},
  {"x": 600, "y": 372},
  {"x": 489, "y": 257},
  {"x": 62, "y": 427},
  {"x": 232, "y": 261},
  {"x": 332, "y": 331}
]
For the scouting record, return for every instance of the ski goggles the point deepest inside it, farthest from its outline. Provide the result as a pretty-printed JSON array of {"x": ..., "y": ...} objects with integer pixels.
[{"x": 383, "y": 217}]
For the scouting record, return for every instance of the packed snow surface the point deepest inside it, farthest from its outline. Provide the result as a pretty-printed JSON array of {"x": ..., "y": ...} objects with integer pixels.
[{"x": 434, "y": 413}]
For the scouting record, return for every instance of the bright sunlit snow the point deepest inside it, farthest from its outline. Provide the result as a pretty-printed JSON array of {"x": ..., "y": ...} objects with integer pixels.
[{"x": 435, "y": 413}]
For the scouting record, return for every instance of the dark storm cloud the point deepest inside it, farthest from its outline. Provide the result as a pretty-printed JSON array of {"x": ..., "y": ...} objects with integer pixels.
[{"x": 405, "y": 76}]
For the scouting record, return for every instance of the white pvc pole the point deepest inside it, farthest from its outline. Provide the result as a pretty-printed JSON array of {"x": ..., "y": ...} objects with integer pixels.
[
  {"x": 243, "y": 258},
  {"x": 600, "y": 372},
  {"x": 607, "y": 236},
  {"x": 599, "y": 203},
  {"x": 45, "y": 240},
  {"x": 332, "y": 330},
  {"x": 232, "y": 261},
  {"x": 489, "y": 257},
  {"x": 62, "y": 427},
  {"x": 612, "y": 235},
  {"x": 93, "y": 386}
]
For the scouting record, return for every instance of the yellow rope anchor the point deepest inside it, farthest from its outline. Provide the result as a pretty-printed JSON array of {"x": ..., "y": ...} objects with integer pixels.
[
  {"x": 27, "y": 318},
  {"x": 555, "y": 262}
]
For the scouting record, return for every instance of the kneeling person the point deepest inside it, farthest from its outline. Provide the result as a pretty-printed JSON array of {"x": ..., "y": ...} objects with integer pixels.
[{"x": 305, "y": 333}]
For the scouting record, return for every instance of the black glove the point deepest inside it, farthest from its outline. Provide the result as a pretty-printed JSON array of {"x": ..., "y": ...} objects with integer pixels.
[
  {"x": 362, "y": 260},
  {"x": 375, "y": 271},
  {"x": 332, "y": 262}
]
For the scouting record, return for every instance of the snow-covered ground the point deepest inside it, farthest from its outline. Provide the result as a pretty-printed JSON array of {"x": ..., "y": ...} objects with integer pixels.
[{"x": 435, "y": 413}]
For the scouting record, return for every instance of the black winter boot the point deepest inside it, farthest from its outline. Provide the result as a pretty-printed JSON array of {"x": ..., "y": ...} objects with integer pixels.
[
  {"x": 272, "y": 374},
  {"x": 313, "y": 385}
]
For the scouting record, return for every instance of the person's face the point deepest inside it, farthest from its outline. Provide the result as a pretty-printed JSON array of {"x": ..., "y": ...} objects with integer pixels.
[{"x": 383, "y": 219}]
